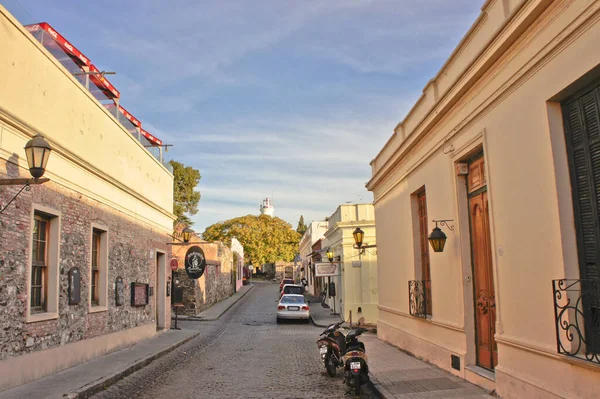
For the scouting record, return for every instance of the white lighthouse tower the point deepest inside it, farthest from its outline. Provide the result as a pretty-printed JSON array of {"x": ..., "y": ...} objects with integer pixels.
[{"x": 267, "y": 208}]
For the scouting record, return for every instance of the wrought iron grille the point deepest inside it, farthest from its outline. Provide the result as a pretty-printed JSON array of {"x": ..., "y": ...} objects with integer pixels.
[
  {"x": 577, "y": 313},
  {"x": 417, "y": 297}
]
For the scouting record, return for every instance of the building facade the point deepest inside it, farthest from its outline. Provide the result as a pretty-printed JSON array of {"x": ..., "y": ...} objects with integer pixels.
[
  {"x": 503, "y": 145},
  {"x": 314, "y": 232},
  {"x": 83, "y": 257},
  {"x": 238, "y": 264},
  {"x": 356, "y": 285}
]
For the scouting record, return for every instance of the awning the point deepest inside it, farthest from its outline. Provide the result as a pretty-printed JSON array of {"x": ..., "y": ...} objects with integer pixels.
[{"x": 151, "y": 138}]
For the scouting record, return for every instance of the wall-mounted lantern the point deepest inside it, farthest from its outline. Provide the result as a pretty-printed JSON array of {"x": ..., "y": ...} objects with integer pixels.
[
  {"x": 437, "y": 238},
  {"x": 359, "y": 236},
  {"x": 330, "y": 255},
  {"x": 187, "y": 234},
  {"x": 38, "y": 152}
]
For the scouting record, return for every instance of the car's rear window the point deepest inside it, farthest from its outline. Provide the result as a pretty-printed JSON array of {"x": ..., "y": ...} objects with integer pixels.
[
  {"x": 293, "y": 290},
  {"x": 292, "y": 299},
  {"x": 288, "y": 281}
]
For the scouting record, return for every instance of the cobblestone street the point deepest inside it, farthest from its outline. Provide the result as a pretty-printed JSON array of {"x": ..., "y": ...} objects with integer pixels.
[{"x": 244, "y": 354}]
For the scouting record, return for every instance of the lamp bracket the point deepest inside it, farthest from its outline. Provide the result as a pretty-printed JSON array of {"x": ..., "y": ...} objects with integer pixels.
[
  {"x": 185, "y": 243},
  {"x": 444, "y": 222}
]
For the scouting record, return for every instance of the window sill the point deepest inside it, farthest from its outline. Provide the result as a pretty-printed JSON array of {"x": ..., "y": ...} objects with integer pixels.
[
  {"x": 36, "y": 317},
  {"x": 97, "y": 309}
]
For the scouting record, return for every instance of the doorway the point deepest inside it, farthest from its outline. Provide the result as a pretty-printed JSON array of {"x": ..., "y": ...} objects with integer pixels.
[
  {"x": 483, "y": 276},
  {"x": 160, "y": 290}
]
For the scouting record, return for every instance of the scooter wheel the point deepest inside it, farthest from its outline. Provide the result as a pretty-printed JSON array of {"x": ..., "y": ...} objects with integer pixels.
[
  {"x": 357, "y": 384},
  {"x": 330, "y": 365}
]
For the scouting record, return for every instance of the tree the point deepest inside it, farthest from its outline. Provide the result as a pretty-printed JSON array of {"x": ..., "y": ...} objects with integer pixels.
[
  {"x": 185, "y": 197},
  {"x": 264, "y": 238},
  {"x": 301, "y": 226}
]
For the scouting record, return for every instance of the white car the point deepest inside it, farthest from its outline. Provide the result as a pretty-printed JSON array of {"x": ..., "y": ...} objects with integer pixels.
[{"x": 293, "y": 307}]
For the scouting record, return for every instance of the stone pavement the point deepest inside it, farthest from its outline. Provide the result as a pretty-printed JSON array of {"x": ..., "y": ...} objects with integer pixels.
[
  {"x": 397, "y": 375},
  {"x": 86, "y": 379}
]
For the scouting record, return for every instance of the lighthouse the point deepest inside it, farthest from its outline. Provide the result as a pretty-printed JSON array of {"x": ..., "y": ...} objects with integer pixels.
[{"x": 267, "y": 208}]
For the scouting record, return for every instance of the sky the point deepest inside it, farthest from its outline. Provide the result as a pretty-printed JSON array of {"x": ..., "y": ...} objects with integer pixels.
[{"x": 288, "y": 99}]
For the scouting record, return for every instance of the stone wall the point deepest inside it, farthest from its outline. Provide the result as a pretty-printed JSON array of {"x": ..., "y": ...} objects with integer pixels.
[
  {"x": 131, "y": 255},
  {"x": 215, "y": 285}
]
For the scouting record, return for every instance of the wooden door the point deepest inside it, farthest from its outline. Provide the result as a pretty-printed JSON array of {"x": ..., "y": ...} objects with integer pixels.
[
  {"x": 424, "y": 231},
  {"x": 483, "y": 277}
]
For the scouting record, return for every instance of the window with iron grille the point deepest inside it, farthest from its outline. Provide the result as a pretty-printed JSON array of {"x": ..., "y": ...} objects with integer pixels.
[{"x": 39, "y": 265}]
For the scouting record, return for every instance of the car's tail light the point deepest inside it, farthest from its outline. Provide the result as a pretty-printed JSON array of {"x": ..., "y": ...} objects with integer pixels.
[
  {"x": 280, "y": 307},
  {"x": 305, "y": 308}
]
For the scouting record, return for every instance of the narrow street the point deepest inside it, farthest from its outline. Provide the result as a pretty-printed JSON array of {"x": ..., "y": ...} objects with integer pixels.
[{"x": 244, "y": 354}]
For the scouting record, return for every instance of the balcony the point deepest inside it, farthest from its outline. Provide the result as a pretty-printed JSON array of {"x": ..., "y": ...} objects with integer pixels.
[
  {"x": 418, "y": 298},
  {"x": 577, "y": 313}
]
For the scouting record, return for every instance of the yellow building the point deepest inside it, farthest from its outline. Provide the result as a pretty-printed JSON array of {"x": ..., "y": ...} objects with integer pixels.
[
  {"x": 356, "y": 286},
  {"x": 504, "y": 143},
  {"x": 84, "y": 256}
]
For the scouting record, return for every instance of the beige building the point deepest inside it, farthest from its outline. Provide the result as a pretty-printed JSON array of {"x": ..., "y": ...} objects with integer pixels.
[
  {"x": 356, "y": 285},
  {"x": 83, "y": 257},
  {"x": 504, "y": 142}
]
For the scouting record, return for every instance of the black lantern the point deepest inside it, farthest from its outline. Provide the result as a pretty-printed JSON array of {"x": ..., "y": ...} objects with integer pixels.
[
  {"x": 358, "y": 237},
  {"x": 187, "y": 234},
  {"x": 37, "y": 151},
  {"x": 437, "y": 238},
  {"x": 330, "y": 255}
]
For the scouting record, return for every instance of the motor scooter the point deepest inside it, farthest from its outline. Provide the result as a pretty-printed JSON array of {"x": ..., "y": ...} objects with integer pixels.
[
  {"x": 356, "y": 368},
  {"x": 332, "y": 346}
]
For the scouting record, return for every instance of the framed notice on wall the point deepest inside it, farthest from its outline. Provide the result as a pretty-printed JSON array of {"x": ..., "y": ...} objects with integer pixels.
[
  {"x": 327, "y": 269},
  {"x": 139, "y": 294}
]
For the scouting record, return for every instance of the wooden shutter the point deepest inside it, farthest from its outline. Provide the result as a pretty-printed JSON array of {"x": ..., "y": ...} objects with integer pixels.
[
  {"x": 425, "y": 269},
  {"x": 583, "y": 147},
  {"x": 582, "y": 130}
]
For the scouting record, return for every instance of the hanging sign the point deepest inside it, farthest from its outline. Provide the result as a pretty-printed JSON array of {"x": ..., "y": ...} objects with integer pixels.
[
  {"x": 174, "y": 264},
  {"x": 327, "y": 269},
  {"x": 195, "y": 262}
]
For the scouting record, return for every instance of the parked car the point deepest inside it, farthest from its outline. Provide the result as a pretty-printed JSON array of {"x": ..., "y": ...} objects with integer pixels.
[
  {"x": 292, "y": 289},
  {"x": 293, "y": 306},
  {"x": 284, "y": 282}
]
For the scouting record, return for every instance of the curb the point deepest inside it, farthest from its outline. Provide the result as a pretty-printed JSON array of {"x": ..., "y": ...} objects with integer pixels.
[
  {"x": 101, "y": 384},
  {"x": 200, "y": 318}
]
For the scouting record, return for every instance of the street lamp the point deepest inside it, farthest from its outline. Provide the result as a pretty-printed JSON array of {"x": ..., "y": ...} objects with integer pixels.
[
  {"x": 330, "y": 255},
  {"x": 437, "y": 238},
  {"x": 359, "y": 235},
  {"x": 187, "y": 234},
  {"x": 37, "y": 151}
]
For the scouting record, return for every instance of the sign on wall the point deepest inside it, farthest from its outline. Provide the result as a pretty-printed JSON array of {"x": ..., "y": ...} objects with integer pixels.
[
  {"x": 195, "y": 262},
  {"x": 327, "y": 269},
  {"x": 139, "y": 294},
  {"x": 74, "y": 286}
]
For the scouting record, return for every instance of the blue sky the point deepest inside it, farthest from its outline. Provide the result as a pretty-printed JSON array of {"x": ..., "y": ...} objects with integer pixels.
[{"x": 280, "y": 98}]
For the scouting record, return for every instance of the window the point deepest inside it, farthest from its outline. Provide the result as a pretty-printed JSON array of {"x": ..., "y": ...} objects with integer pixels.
[
  {"x": 43, "y": 263},
  {"x": 98, "y": 276},
  {"x": 95, "y": 297},
  {"x": 39, "y": 265}
]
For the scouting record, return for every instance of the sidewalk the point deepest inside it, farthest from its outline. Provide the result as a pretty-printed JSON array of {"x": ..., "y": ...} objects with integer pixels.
[
  {"x": 219, "y": 308},
  {"x": 397, "y": 375},
  {"x": 88, "y": 378}
]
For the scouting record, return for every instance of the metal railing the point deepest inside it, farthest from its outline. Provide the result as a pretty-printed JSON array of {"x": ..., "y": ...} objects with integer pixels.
[
  {"x": 577, "y": 315},
  {"x": 418, "y": 298}
]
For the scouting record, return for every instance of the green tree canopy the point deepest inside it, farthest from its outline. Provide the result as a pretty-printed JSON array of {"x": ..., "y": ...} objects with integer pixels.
[
  {"x": 264, "y": 238},
  {"x": 301, "y": 226},
  {"x": 185, "y": 197}
]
